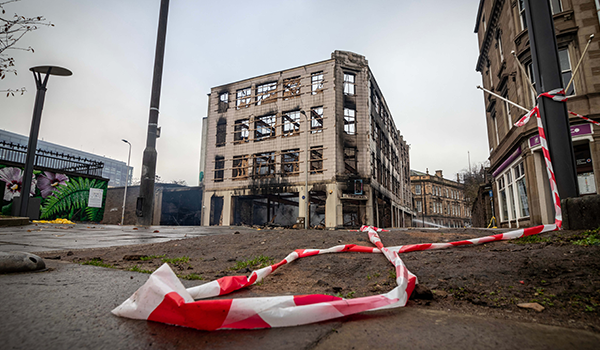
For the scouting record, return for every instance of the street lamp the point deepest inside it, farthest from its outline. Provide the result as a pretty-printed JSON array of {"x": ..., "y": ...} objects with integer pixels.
[
  {"x": 307, "y": 217},
  {"x": 126, "y": 182},
  {"x": 35, "y": 127}
]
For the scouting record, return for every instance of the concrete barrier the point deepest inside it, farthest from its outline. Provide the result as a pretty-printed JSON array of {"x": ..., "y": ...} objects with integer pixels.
[{"x": 581, "y": 213}]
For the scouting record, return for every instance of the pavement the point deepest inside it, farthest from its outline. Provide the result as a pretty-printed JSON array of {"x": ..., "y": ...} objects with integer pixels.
[{"x": 68, "y": 306}]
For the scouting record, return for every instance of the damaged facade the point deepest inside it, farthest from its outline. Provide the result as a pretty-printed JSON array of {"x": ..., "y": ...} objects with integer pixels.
[{"x": 325, "y": 124}]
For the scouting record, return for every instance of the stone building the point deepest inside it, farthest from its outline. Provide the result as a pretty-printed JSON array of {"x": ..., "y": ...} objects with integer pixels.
[
  {"x": 438, "y": 201},
  {"x": 324, "y": 126},
  {"x": 520, "y": 184}
]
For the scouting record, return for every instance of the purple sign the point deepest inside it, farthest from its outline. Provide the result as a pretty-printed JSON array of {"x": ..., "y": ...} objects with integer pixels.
[{"x": 576, "y": 130}]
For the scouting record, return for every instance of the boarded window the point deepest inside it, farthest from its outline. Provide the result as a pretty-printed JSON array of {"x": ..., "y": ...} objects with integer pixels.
[
  {"x": 264, "y": 164},
  {"x": 243, "y": 98},
  {"x": 266, "y": 93},
  {"x": 349, "y": 121},
  {"x": 316, "y": 120},
  {"x": 242, "y": 127},
  {"x": 240, "y": 167},
  {"x": 291, "y": 88},
  {"x": 316, "y": 160},
  {"x": 219, "y": 166},
  {"x": 265, "y": 127},
  {"x": 316, "y": 80},
  {"x": 291, "y": 123},
  {"x": 223, "y": 102},
  {"x": 290, "y": 162},
  {"x": 221, "y": 132},
  {"x": 349, "y": 83}
]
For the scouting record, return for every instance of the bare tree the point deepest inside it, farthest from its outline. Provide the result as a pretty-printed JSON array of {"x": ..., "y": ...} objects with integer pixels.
[
  {"x": 473, "y": 178},
  {"x": 12, "y": 29}
]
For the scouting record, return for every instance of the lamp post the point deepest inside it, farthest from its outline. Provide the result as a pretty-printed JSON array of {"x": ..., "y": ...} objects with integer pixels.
[
  {"x": 307, "y": 217},
  {"x": 126, "y": 182},
  {"x": 35, "y": 127}
]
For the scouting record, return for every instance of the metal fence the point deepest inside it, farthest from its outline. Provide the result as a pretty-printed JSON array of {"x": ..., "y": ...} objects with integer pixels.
[{"x": 16, "y": 153}]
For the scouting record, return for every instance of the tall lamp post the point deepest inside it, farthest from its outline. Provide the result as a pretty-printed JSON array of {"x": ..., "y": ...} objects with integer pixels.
[
  {"x": 40, "y": 83},
  {"x": 126, "y": 182},
  {"x": 307, "y": 217}
]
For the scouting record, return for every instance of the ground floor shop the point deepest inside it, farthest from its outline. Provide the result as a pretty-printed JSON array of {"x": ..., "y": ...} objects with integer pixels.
[{"x": 521, "y": 189}]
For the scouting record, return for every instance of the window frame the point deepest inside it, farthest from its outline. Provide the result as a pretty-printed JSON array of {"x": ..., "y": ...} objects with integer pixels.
[
  {"x": 349, "y": 121},
  {"x": 316, "y": 82},
  {"x": 316, "y": 120},
  {"x": 349, "y": 84},
  {"x": 266, "y": 93},
  {"x": 243, "y": 98}
]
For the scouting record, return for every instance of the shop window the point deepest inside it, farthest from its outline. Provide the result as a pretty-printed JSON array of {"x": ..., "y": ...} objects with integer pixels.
[
  {"x": 221, "y": 132},
  {"x": 349, "y": 83},
  {"x": 585, "y": 170},
  {"x": 240, "y": 167},
  {"x": 243, "y": 98},
  {"x": 316, "y": 80},
  {"x": 219, "y": 166},
  {"x": 242, "y": 132},
  {"x": 264, "y": 164},
  {"x": 223, "y": 102},
  {"x": 290, "y": 162},
  {"x": 349, "y": 121},
  {"x": 291, "y": 123},
  {"x": 519, "y": 171},
  {"x": 316, "y": 120},
  {"x": 291, "y": 88},
  {"x": 316, "y": 160},
  {"x": 512, "y": 191},
  {"x": 266, "y": 93},
  {"x": 265, "y": 127}
]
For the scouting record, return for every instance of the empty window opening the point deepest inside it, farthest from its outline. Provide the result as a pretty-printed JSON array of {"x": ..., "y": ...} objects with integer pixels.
[
  {"x": 350, "y": 160},
  {"x": 240, "y": 167},
  {"x": 264, "y": 164},
  {"x": 316, "y": 120},
  {"x": 221, "y": 132},
  {"x": 290, "y": 162},
  {"x": 349, "y": 121},
  {"x": 243, "y": 98},
  {"x": 242, "y": 132},
  {"x": 265, "y": 127},
  {"x": 219, "y": 166},
  {"x": 291, "y": 88},
  {"x": 265, "y": 93},
  {"x": 316, "y": 160},
  {"x": 349, "y": 84},
  {"x": 316, "y": 80},
  {"x": 223, "y": 102},
  {"x": 291, "y": 123}
]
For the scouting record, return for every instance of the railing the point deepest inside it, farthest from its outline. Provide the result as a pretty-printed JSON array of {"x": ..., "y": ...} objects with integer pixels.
[{"x": 17, "y": 153}]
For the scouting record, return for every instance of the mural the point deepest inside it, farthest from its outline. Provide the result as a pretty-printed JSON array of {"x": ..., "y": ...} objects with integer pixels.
[{"x": 62, "y": 196}]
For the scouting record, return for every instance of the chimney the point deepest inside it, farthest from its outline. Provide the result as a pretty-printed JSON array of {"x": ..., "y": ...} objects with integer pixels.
[
  {"x": 457, "y": 177},
  {"x": 438, "y": 173},
  {"x": 427, "y": 171}
]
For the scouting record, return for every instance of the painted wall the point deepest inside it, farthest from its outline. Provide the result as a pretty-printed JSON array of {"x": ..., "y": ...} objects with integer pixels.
[{"x": 62, "y": 196}]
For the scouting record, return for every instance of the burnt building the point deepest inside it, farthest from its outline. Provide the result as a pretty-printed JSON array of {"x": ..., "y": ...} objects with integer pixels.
[
  {"x": 325, "y": 127},
  {"x": 520, "y": 186},
  {"x": 439, "y": 202}
]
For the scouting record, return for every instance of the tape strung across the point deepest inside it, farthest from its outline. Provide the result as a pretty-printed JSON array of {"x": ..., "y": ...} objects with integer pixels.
[{"x": 164, "y": 299}]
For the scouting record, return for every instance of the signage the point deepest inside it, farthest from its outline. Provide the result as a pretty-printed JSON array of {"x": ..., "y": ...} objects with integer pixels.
[
  {"x": 360, "y": 197},
  {"x": 576, "y": 130},
  {"x": 95, "y": 199}
]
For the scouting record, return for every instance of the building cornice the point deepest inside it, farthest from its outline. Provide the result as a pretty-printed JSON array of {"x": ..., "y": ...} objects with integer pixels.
[{"x": 488, "y": 36}]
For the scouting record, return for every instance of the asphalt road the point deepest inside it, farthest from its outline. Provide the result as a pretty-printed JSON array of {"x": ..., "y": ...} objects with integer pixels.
[{"x": 68, "y": 307}]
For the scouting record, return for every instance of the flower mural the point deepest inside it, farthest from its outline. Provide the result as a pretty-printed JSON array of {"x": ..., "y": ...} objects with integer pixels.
[
  {"x": 48, "y": 182},
  {"x": 13, "y": 177}
]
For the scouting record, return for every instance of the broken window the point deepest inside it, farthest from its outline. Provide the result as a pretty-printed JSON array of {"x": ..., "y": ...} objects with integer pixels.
[
  {"x": 264, "y": 164},
  {"x": 350, "y": 160},
  {"x": 223, "y": 102},
  {"x": 291, "y": 123},
  {"x": 242, "y": 127},
  {"x": 290, "y": 162},
  {"x": 349, "y": 121},
  {"x": 240, "y": 167},
  {"x": 376, "y": 101},
  {"x": 221, "y": 132},
  {"x": 243, "y": 98},
  {"x": 316, "y": 160},
  {"x": 316, "y": 80},
  {"x": 219, "y": 166},
  {"x": 349, "y": 83},
  {"x": 291, "y": 88},
  {"x": 265, "y": 127},
  {"x": 265, "y": 93},
  {"x": 316, "y": 120}
]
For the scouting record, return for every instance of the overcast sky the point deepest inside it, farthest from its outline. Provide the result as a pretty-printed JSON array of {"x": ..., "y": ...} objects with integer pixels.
[{"x": 422, "y": 53}]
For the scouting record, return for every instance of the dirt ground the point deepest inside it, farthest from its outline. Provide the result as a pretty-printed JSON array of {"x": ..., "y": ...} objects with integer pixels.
[{"x": 486, "y": 280}]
